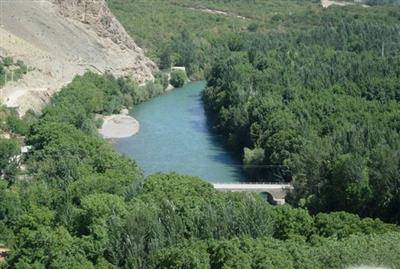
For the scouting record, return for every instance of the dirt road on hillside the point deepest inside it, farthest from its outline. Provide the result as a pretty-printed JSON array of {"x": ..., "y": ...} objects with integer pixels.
[
  {"x": 328, "y": 3},
  {"x": 217, "y": 12}
]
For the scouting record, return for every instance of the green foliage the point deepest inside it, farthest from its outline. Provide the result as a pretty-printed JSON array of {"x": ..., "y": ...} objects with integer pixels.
[
  {"x": 193, "y": 257},
  {"x": 171, "y": 208},
  {"x": 10, "y": 208},
  {"x": 270, "y": 253},
  {"x": 253, "y": 158},
  {"x": 253, "y": 27},
  {"x": 291, "y": 101},
  {"x": 178, "y": 78},
  {"x": 341, "y": 225},
  {"x": 8, "y": 61},
  {"x": 299, "y": 105},
  {"x": 93, "y": 93},
  {"x": 9, "y": 149},
  {"x": 381, "y": 2},
  {"x": 77, "y": 181},
  {"x": 47, "y": 248},
  {"x": 293, "y": 223},
  {"x": 229, "y": 255},
  {"x": 17, "y": 125},
  {"x": 11, "y": 71},
  {"x": 162, "y": 79},
  {"x": 165, "y": 60},
  {"x": 182, "y": 33},
  {"x": 13, "y": 125}
]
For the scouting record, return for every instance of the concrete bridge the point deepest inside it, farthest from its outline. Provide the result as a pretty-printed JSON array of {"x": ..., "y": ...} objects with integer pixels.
[{"x": 278, "y": 191}]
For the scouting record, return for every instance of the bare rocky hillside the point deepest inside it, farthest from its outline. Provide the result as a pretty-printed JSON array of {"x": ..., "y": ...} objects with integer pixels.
[{"x": 59, "y": 39}]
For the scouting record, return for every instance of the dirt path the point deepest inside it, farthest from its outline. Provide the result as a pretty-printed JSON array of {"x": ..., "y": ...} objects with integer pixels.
[
  {"x": 216, "y": 11},
  {"x": 328, "y": 3}
]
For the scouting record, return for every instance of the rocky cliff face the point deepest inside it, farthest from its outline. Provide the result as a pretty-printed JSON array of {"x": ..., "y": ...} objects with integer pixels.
[
  {"x": 97, "y": 14},
  {"x": 59, "y": 39}
]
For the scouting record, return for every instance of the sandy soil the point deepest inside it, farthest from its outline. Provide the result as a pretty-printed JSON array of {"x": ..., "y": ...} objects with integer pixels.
[{"x": 119, "y": 126}]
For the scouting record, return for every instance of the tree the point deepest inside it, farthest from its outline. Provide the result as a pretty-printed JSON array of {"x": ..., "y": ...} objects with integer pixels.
[
  {"x": 9, "y": 149},
  {"x": 253, "y": 160},
  {"x": 227, "y": 254},
  {"x": 165, "y": 59},
  {"x": 184, "y": 256},
  {"x": 291, "y": 222},
  {"x": 178, "y": 78}
]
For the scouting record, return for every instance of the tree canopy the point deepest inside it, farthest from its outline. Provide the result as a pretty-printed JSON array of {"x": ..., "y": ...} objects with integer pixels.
[
  {"x": 318, "y": 107},
  {"x": 305, "y": 94},
  {"x": 82, "y": 205}
]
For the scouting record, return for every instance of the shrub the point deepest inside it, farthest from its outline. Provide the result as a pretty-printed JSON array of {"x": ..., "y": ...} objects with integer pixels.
[
  {"x": 162, "y": 79},
  {"x": 178, "y": 78},
  {"x": 253, "y": 27},
  {"x": 17, "y": 125},
  {"x": 8, "y": 61}
]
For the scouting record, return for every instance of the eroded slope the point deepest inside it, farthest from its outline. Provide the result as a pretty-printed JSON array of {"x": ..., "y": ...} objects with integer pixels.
[{"x": 62, "y": 38}]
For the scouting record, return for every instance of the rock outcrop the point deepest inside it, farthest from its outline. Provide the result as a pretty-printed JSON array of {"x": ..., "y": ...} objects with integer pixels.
[
  {"x": 97, "y": 14},
  {"x": 59, "y": 39}
]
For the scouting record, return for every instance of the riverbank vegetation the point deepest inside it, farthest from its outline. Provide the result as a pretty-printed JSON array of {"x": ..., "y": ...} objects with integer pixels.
[
  {"x": 318, "y": 107},
  {"x": 82, "y": 205},
  {"x": 178, "y": 78},
  {"x": 12, "y": 132},
  {"x": 314, "y": 101}
]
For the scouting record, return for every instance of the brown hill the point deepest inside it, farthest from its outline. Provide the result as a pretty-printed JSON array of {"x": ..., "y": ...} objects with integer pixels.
[{"x": 62, "y": 38}]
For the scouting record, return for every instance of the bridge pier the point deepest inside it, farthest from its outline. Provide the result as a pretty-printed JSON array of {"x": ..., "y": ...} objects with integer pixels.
[{"x": 277, "y": 191}]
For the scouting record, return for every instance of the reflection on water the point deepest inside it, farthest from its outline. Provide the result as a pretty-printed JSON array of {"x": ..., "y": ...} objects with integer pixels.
[{"x": 174, "y": 136}]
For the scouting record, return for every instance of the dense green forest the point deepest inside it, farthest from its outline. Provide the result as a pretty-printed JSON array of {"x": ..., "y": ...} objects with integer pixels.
[
  {"x": 178, "y": 32},
  {"x": 304, "y": 94},
  {"x": 318, "y": 107},
  {"x": 182, "y": 33},
  {"x": 301, "y": 93},
  {"x": 378, "y": 2},
  {"x": 79, "y": 204}
]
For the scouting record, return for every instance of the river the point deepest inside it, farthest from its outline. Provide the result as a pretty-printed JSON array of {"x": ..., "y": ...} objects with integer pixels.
[{"x": 174, "y": 136}]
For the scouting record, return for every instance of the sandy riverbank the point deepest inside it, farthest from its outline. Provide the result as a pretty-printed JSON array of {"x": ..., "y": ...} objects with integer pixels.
[{"x": 119, "y": 126}]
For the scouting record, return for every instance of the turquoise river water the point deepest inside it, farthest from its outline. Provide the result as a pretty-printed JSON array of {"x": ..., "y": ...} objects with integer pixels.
[{"x": 174, "y": 136}]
